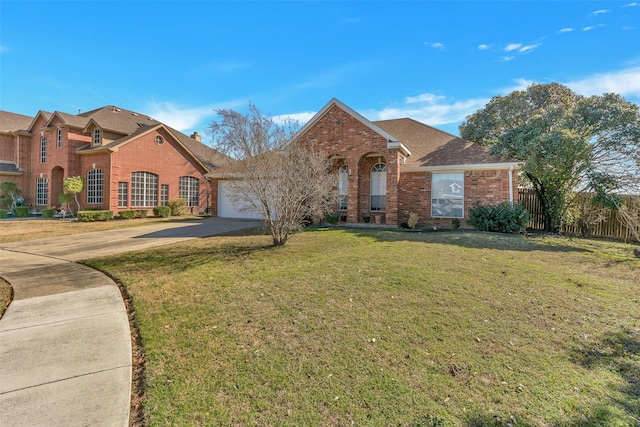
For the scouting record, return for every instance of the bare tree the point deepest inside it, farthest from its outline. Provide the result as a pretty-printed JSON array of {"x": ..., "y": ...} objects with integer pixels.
[{"x": 270, "y": 173}]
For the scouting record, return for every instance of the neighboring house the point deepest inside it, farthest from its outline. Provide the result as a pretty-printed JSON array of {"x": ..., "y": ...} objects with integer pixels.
[
  {"x": 128, "y": 160},
  {"x": 388, "y": 169}
]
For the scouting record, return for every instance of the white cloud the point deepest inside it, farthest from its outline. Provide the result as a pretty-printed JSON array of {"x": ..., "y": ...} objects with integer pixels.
[
  {"x": 429, "y": 108},
  {"x": 423, "y": 97},
  {"x": 528, "y": 48},
  {"x": 520, "y": 84},
  {"x": 599, "y": 12},
  {"x": 507, "y": 58},
  {"x": 624, "y": 82},
  {"x": 186, "y": 119},
  {"x": 512, "y": 46},
  {"x": 565, "y": 30},
  {"x": 593, "y": 27},
  {"x": 483, "y": 46},
  {"x": 437, "y": 45},
  {"x": 630, "y": 5},
  {"x": 301, "y": 118}
]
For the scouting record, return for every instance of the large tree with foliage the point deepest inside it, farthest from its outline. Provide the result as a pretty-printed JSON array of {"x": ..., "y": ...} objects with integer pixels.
[
  {"x": 567, "y": 143},
  {"x": 271, "y": 174}
]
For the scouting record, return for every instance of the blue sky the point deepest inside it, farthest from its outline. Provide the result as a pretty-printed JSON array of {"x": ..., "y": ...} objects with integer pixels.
[{"x": 434, "y": 61}]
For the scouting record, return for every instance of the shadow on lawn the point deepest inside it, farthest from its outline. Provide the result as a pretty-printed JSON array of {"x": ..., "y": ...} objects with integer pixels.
[
  {"x": 466, "y": 238},
  {"x": 179, "y": 258},
  {"x": 618, "y": 352}
]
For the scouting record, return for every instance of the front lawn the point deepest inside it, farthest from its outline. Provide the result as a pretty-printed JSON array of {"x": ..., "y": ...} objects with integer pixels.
[
  {"x": 17, "y": 230},
  {"x": 385, "y": 328}
]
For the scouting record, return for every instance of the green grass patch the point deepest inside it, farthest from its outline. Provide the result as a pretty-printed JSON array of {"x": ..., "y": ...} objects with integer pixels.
[{"x": 343, "y": 327}]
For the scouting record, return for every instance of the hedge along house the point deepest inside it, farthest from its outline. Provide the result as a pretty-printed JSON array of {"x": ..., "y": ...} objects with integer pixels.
[
  {"x": 388, "y": 169},
  {"x": 128, "y": 160}
]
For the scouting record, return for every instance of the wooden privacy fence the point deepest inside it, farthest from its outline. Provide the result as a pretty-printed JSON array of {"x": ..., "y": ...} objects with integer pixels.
[{"x": 611, "y": 227}]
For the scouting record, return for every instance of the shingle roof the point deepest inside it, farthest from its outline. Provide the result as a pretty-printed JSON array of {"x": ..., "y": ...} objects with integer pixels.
[
  {"x": 11, "y": 122},
  {"x": 127, "y": 123},
  {"x": 432, "y": 147},
  {"x": 70, "y": 119},
  {"x": 9, "y": 168},
  {"x": 207, "y": 156},
  {"x": 119, "y": 120}
]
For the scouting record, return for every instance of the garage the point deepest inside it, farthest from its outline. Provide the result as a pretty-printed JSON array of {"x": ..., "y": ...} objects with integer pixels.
[{"x": 226, "y": 206}]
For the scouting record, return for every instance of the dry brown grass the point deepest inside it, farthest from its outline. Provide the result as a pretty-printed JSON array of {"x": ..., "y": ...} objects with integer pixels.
[
  {"x": 16, "y": 230},
  {"x": 5, "y": 296}
]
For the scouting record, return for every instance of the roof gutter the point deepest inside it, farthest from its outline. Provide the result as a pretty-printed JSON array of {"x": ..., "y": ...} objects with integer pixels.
[
  {"x": 398, "y": 145},
  {"x": 461, "y": 168}
]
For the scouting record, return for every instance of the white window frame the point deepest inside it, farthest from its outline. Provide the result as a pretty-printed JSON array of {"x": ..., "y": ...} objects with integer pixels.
[
  {"x": 164, "y": 194},
  {"x": 144, "y": 189},
  {"x": 189, "y": 189},
  {"x": 59, "y": 138},
  {"x": 95, "y": 186},
  {"x": 42, "y": 191},
  {"x": 343, "y": 188},
  {"x": 43, "y": 149},
  {"x": 447, "y": 195},
  {"x": 378, "y": 188},
  {"x": 97, "y": 136},
  {"x": 123, "y": 194}
]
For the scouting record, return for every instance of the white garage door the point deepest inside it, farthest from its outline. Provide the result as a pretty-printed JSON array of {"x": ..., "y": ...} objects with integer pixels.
[{"x": 227, "y": 208}]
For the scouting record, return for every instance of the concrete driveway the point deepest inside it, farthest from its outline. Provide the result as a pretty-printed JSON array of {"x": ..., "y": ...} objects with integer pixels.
[{"x": 65, "y": 342}]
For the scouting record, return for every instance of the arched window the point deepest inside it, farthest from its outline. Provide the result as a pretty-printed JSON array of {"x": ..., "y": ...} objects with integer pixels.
[
  {"x": 189, "y": 189},
  {"x": 95, "y": 183},
  {"x": 343, "y": 188},
  {"x": 144, "y": 189},
  {"x": 378, "y": 187}
]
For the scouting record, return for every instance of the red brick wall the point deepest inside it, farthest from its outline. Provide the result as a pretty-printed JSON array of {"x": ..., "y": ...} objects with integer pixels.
[
  {"x": 486, "y": 186},
  {"x": 16, "y": 149},
  {"x": 169, "y": 161},
  {"x": 8, "y": 148},
  {"x": 340, "y": 134}
]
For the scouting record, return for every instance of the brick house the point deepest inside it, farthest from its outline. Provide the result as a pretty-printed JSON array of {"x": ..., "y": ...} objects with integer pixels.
[
  {"x": 388, "y": 169},
  {"x": 128, "y": 160}
]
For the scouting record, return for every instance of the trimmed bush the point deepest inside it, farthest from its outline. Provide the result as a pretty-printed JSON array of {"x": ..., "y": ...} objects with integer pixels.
[
  {"x": 4, "y": 213},
  {"x": 141, "y": 213},
  {"x": 21, "y": 211},
  {"x": 47, "y": 213},
  {"x": 178, "y": 206},
  {"x": 331, "y": 218},
  {"x": 127, "y": 214},
  {"x": 95, "y": 215},
  {"x": 503, "y": 217},
  {"x": 162, "y": 211}
]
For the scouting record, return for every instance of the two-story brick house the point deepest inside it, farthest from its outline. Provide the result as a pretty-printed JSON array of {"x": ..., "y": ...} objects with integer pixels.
[
  {"x": 388, "y": 169},
  {"x": 128, "y": 160}
]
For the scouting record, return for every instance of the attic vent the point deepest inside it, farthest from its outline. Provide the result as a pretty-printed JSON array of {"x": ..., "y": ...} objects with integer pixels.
[
  {"x": 141, "y": 125},
  {"x": 135, "y": 114},
  {"x": 150, "y": 118}
]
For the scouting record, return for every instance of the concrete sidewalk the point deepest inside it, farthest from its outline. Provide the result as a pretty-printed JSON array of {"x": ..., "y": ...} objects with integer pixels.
[{"x": 65, "y": 342}]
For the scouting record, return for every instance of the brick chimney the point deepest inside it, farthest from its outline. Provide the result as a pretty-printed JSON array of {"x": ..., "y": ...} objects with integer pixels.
[{"x": 196, "y": 136}]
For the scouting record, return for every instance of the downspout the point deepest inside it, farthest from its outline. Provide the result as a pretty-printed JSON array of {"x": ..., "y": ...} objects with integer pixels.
[{"x": 511, "y": 185}]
